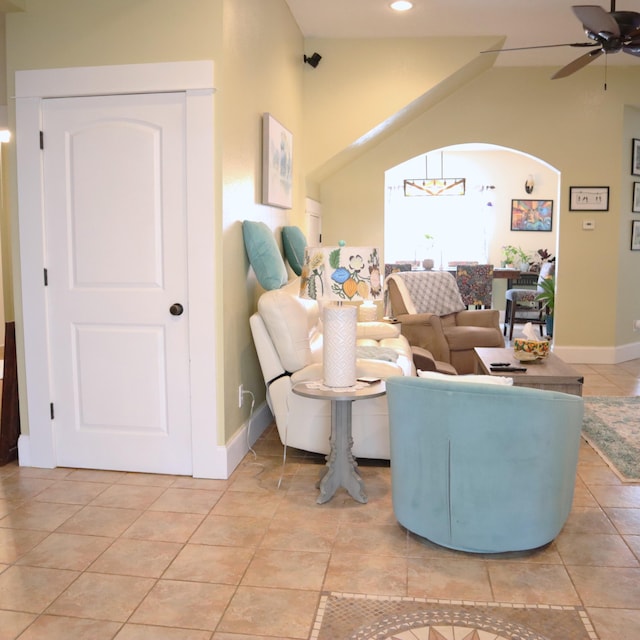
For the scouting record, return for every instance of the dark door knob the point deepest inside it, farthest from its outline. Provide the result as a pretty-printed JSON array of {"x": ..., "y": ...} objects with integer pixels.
[{"x": 176, "y": 309}]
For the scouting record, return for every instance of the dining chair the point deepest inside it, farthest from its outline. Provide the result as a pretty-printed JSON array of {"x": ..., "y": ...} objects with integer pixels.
[
  {"x": 522, "y": 306},
  {"x": 475, "y": 282}
]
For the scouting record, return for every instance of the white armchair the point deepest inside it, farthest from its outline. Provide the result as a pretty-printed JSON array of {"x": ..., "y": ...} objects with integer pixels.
[{"x": 287, "y": 333}]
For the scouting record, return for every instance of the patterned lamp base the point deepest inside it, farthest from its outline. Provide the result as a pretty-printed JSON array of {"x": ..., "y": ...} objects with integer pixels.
[{"x": 339, "y": 345}]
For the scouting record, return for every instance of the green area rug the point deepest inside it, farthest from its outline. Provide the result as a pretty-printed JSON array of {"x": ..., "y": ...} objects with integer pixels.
[
  {"x": 612, "y": 427},
  {"x": 348, "y": 616}
]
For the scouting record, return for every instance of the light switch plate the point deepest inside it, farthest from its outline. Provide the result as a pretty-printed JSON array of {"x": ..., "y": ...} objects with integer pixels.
[{"x": 588, "y": 225}]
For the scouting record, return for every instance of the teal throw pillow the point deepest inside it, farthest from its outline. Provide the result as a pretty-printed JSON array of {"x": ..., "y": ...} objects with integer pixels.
[
  {"x": 294, "y": 244},
  {"x": 264, "y": 255}
]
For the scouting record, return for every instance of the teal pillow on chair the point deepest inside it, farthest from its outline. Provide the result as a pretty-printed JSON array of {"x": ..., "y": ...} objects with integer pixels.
[
  {"x": 264, "y": 255},
  {"x": 294, "y": 244}
]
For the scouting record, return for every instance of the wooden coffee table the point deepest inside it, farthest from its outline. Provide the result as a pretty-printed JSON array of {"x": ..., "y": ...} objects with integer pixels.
[{"x": 551, "y": 373}]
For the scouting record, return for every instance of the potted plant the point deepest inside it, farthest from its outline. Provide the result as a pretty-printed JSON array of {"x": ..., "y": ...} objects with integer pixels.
[
  {"x": 427, "y": 263},
  {"x": 547, "y": 295},
  {"x": 515, "y": 257},
  {"x": 539, "y": 258}
]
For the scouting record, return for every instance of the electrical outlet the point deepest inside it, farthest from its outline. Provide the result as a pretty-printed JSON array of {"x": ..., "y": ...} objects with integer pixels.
[
  {"x": 636, "y": 325},
  {"x": 240, "y": 395}
]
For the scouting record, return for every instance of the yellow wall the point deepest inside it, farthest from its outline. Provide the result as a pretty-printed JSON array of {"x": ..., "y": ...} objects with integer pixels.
[
  {"x": 262, "y": 73},
  {"x": 572, "y": 124},
  {"x": 628, "y": 304},
  {"x": 360, "y": 84},
  {"x": 65, "y": 33}
]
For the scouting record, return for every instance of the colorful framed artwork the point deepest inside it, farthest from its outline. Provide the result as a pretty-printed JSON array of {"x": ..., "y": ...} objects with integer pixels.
[
  {"x": 531, "y": 215},
  {"x": 635, "y": 235},
  {"x": 635, "y": 206},
  {"x": 277, "y": 163},
  {"x": 588, "y": 198},
  {"x": 635, "y": 157}
]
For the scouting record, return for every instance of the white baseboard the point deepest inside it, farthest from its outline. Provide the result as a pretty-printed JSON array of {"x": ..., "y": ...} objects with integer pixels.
[
  {"x": 24, "y": 450},
  {"x": 599, "y": 355},
  {"x": 226, "y": 457},
  {"x": 230, "y": 455}
]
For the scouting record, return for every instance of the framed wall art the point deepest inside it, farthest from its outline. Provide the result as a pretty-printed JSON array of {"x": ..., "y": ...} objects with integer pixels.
[
  {"x": 635, "y": 235},
  {"x": 635, "y": 157},
  {"x": 635, "y": 206},
  {"x": 531, "y": 215},
  {"x": 277, "y": 163},
  {"x": 588, "y": 198}
]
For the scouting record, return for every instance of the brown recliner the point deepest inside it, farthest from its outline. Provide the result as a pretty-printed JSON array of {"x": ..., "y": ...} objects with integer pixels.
[{"x": 450, "y": 336}]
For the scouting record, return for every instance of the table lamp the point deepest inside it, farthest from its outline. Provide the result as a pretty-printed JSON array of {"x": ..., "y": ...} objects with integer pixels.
[{"x": 335, "y": 275}]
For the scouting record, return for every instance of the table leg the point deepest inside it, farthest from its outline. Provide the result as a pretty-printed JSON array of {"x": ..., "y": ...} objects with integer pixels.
[{"x": 342, "y": 469}]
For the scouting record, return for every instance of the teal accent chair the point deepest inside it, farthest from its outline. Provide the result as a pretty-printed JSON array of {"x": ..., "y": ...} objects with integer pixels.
[{"x": 482, "y": 468}]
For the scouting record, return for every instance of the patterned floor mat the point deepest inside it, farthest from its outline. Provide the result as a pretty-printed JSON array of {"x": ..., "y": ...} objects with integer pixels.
[{"x": 343, "y": 616}]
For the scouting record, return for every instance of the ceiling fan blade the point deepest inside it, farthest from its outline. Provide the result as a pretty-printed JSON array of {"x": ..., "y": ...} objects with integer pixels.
[
  {"x": 632, "y": 48},
  {"x": 545, "y": 46},
  {"x": 596, "y": 19},
  {"x": 632, "y": 35},
  {"x": 577, "y": 64}
]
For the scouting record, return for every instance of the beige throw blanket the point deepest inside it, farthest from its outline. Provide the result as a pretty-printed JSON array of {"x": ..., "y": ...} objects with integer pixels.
[{"x": 428, "y": 292}]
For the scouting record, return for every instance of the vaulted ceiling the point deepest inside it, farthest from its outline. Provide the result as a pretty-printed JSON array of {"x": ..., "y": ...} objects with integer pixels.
[{"x": 522, "y": 22}]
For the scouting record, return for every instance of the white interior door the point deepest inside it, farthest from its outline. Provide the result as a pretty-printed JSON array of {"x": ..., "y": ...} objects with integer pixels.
[
  {"x": 313, "y": 210},
  {"x": 116, "y": 259}
]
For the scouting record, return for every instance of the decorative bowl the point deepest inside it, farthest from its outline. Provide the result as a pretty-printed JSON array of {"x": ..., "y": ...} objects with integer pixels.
[{"x": 529, "y": 350}]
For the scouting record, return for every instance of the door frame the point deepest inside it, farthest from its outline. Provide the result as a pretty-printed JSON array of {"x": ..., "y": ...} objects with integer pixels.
[{"x": 36, "y": 446}]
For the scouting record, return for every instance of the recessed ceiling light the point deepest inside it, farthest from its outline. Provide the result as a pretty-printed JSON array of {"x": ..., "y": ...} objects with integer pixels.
[{"x": 401, "y": 5}]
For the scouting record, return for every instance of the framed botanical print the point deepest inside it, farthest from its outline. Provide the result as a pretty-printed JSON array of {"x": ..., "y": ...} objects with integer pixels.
[
  {"x": 635, "y": 235},
  {"x": 277, "y": 163},
  {"x": 635, "y": 157},
  {"x": 635, "y": 203}
]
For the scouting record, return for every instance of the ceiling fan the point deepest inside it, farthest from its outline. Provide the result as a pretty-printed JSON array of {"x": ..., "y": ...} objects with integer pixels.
[{"x": 610, "y": 32}]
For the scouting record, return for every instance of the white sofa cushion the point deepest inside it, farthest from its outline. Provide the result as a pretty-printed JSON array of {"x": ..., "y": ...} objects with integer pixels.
[
  {"x": 480, "y": 379},
  {"x": 295, "y": 328},
  {"x": 292, "y": 323},
  {"x": 377, "y": 330}
]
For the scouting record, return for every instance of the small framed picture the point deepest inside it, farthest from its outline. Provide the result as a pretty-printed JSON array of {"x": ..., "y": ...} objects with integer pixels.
[
  {"x": 277, "y": 163},
  {"x": 635, "y": 207},
  {"x": 588, "y": 198},
  {"x": 635, "y": 157},
  {"x": 635, "y": 235}
]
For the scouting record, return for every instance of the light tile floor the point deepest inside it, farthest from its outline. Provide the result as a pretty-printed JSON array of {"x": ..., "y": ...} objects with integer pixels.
[{"x": 94, "y": 555}]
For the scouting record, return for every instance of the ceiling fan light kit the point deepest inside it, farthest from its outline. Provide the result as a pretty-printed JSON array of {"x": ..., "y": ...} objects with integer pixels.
[{"x": 611, "y": 32}]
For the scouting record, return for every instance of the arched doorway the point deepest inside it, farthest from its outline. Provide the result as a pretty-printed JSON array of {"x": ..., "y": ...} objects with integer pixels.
[{"x": 470, "y": 221}]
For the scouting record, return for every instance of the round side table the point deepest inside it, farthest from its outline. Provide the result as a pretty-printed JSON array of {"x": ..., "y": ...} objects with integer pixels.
[{"x": 342, "y": 469}]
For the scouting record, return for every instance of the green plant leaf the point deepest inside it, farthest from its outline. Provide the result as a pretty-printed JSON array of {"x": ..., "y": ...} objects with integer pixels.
[{"x": 334, "y": 258}]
